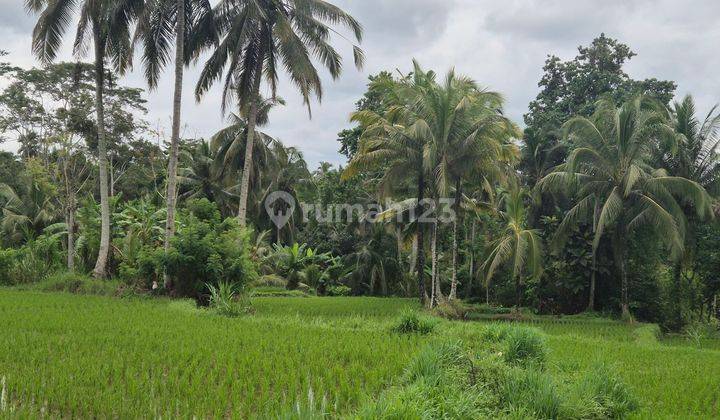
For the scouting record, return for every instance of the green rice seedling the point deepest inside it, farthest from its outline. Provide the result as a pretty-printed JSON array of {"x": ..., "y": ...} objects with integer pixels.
[
  {"x": 412, "y": 322},
  {"x": 525, "y": 346}
]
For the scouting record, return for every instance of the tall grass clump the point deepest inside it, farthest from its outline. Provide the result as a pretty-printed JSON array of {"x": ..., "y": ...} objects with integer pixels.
[
  {"x": 411, "y": 321},
  {"x": 525, "y": 346},
  {"x": 601, "y": 394},
  {"x": 531, "y": 393},
  {"x": 228, "y": 299},
  {"x": 436, "y": 385}
]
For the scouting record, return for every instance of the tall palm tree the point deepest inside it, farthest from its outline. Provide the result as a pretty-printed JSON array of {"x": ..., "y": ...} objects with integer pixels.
[
  {"x": 197, "y": 176},
  {"x": 228, "y": 147},
  {"x": 470, "y": 141},
  {"x": 616, "y": 189},
  {"x": 288, "y": 172},
  {"x": 261, "y": 36},
  {"x": 694, "y": 156},
  {"x": 397, "y": 142},
  {"x": 517, "y": 244},
  {"x": 107, "y": 23},
  {"x": 157, "y": 23}
]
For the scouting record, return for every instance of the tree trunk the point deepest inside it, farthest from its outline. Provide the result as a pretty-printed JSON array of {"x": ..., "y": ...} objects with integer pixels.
[
  {"x": 399, "y": 243},
  {"x": 171, "y": 195},
  {"x": 249, "y": 141},
  {"x": 70, "y": 221},
  {"x": 437, "y": 291},
  {"x": 518, "y": 294},
  {"x": 420, "y": 266},
  {"x": 471, "y": 263},
  {"x": 591, "y": 300},
  {"x": 620, "y": 252},
  {"x": 111, "y": 170},
  {"x": 456, "y": 220},
  {"x": 104, "y": 251},
  {"x": 413, "y": 254}
]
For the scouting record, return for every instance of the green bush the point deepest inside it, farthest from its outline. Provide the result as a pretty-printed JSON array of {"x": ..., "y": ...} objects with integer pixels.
[
  {"x": 79, "y": 284},
  {"x": 32, "y": 262},
  {"x": 228, "y": 299},
  {"x": 206, "y": 251},
  {"x": 339, "y": 290},
  {"x": 525, "y": 346},
  {"x": 412, "y": 322},
  {"x": 454, "y": 309}
]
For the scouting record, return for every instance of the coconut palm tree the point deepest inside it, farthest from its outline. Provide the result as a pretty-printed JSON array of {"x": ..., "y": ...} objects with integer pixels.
[
  {"x": 616, "y": 189},
  {"x": 197, "y": 177},
  {"x": 228, "y": 146},
  {"x": 397, "y": 142},
  {"x": 287, "y": 172},
  {"x": 518, "y": 244},
  {"x": 24, "y": 216},
  {"x": 694, "y": 156},
  {"x": 260, "y": 37},
  {"x": 194, "y": 31},
  {"x": 107, "y": 23}
]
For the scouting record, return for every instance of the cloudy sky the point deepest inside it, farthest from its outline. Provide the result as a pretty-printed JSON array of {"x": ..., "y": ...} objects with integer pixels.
[{"x": 502, "y": 45}]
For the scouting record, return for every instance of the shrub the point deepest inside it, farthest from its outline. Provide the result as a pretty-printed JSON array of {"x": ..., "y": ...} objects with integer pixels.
[
  {"x": 277, "y": 292},
  {"x": 32, "y": 262},
  {"x": 78, "y": 283},
  {"x": 454, "y": 309},
  {"x": 228, "y": 300},
  {"x": 270, "y": 280},
  {"x": 339, "y": 290},
  {"x": 206, "y": 251},
  {"x": 525, "y": 346},
  {"x": 411, "y": 322}
]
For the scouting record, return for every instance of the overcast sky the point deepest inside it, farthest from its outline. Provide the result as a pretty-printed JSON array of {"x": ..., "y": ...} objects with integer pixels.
[{"x": 501, "y": 44}]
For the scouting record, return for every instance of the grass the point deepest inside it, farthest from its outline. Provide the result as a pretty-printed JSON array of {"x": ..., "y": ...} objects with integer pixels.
[{"x": 93, "y": 356}]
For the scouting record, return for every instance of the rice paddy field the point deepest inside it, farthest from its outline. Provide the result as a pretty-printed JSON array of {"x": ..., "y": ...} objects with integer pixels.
[{"x": 65, "y": 355}]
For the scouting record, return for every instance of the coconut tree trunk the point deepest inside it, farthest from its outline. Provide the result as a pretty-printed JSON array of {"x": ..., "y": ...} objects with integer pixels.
[
  {"x": 250, "y": 140},
  {"x": 471, "y": 262},
  {"x": 171, "y": 195},
  {"x": 620, "y": 251},
  {"x": 456, "y": 221},
  {"x": 101, "y": 263},
  {"x": 437, "y": 291},
  {"x": 420, "y": 262},
  {"x": 518, "y": 294}
]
